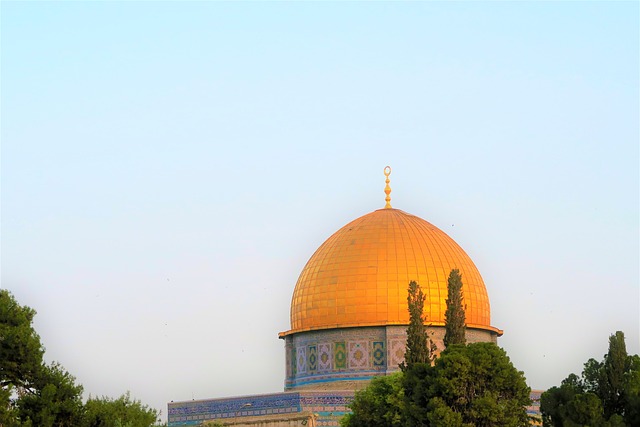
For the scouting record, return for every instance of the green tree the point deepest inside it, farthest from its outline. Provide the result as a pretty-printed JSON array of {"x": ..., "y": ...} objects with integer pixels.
[
  {"x": 54, "y": 400},
  {"x": 614, "y": 367},
  {"x": 420, "y": 348},
  {"x": 20, "y": 354},
  {"x": 8, "y": 415},
  {"x": 121, "y": 412},
  {"x": 632, "y": 391},
  {"x": 472, "y": 385},
  {"x": 553, "y": 402},
  {"x": 585, "y": 409},
  {"x": 378, "y": 405},
  {"x": 454, "y": 316},
  {"x": 20, "y": 348},
  {"x": 468, "y": 385},
  {"x": 33, "y": 394},
  {"x": 607, "y": 395},
  {"x": 592, "y": 376}
]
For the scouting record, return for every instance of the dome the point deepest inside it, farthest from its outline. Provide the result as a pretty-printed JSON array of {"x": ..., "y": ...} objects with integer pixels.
[{"x": 359, "y": 276}]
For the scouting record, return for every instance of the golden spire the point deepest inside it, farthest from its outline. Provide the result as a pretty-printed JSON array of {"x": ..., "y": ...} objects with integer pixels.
[{"x": 387, "y": 189}]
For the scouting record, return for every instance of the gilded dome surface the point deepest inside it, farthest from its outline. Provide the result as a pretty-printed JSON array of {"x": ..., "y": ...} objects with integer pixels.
[{"x": 359, "y": 276}]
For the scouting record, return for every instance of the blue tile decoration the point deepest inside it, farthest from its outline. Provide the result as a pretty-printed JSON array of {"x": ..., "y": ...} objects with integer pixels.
[
  {"x": 379, "y": 354},
  {"x": 329, "y": 406},
  {"x": 287, "y": 360},
  {"x": 326, "y": 399},
  {"x": 194, "y": 412},
  {"x": 312, "y": 358},
  {"x": 341, "y": 355},
  {"x": 294, "y": 358}
]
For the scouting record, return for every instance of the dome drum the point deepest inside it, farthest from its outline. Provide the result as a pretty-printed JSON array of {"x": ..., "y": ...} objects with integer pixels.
[{"x": 346, "y": 358}]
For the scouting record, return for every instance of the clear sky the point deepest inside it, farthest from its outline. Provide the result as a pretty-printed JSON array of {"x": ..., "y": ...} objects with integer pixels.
[{"x": 168, "y": 169}]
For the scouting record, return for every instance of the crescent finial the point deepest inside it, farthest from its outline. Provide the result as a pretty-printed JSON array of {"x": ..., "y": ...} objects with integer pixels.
[{"x": 387, "y": 189}]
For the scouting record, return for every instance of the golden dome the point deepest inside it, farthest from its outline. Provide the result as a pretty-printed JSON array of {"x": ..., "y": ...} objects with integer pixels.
[{"x": 359, "y": 276}]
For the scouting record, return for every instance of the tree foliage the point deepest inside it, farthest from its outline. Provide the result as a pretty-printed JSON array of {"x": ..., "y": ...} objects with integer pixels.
[
  {"x": 454, "y": 316},
  {"x": 468, "y": 385},
  {"x": 420, "y": 348},
  {"x": 34, "y": 394},
  {"x": 606, "y": 395},
  {"x": 55, "y": 400},
  {"x": 613, "y": 379},
  {"x": 20, "y": 355},
  {"x": 121, "y": 412},
  {"x": 472, "y": 385},
  {"x": 379, "y": 405},
  {"x": 20, "y": 348}
]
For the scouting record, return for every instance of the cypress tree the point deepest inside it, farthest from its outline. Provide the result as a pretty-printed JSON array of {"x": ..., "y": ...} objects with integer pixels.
[
  {"x": 614, "y": 368},
  {"x": 454, "y": 317},
  {"x": 420, "y": 349}
]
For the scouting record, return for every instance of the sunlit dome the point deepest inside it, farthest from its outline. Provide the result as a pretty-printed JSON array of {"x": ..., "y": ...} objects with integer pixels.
[{"x": 359, "y": 276}]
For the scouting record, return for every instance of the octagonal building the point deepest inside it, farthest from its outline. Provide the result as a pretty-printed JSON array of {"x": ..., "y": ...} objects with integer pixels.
[
  {"x": 349, "y": 319},
  {"x": 349, "y": 308}
]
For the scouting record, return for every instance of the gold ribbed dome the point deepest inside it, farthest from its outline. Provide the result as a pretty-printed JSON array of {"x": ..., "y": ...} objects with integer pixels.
[{"x": 360, "y": 275}]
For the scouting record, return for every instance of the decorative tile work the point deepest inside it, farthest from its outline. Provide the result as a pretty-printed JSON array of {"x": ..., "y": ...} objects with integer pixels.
[
  {"x": 194, "y": 412},
  {"x": 379, "y": 359},
  {"x": 302, "y": 360},
  {"x": 338, "y": 361},
  {"x": 397, "y": 348},
  {"x": 287, "y": 356},
  {"x": 312, "y": 358},
  {"x": 330, "y": 406},
  {"x": 324, "y": 357},
  {"x": 294, "y": 361},
  {"x": 358, "y": 354},
  {"x": 328, "y": 399},
  {"x": 335, "y": 358},
  {"x": 340, "y": 355}
]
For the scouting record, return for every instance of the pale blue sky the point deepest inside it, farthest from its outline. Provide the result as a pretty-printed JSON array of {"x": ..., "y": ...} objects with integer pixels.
[{"x": 168, "y": 169}]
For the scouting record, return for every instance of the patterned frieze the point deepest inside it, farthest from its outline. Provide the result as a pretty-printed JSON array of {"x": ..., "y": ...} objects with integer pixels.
[
  {"x": 325, "y": 357},
  {"x": 196, "y": 411},
  {"x": 329, "y": 407},
  {"x": 335, "y": 355},
  {"x": 354, "y": 354}
]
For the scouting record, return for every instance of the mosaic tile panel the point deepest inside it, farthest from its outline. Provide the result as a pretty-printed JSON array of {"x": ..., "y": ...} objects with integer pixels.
[
  {"x": 326, "y": 399},
  {"x": 312, "y": 358},
  {"x": 397, "y": 348},
  {"x": 340, "y": 355},
  {"x": 302, "y": 360},
  {"x": 287, "y": 356},
  {"x": 358, "y": 354},
  {"x": 379, "y": 359},
  {"x": 349, "y": 356},
  {"x": 325, "y": 358},
  {"x": 294, "y": 361}
]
